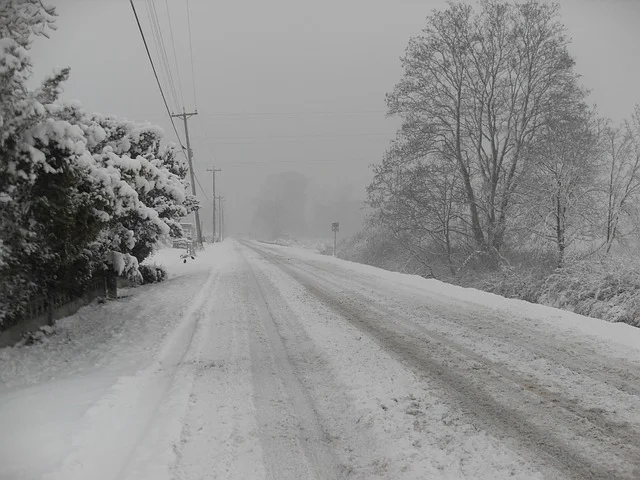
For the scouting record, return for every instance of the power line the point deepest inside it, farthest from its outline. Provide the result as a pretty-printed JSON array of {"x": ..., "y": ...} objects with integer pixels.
[
  {"x": 175, "y": 56},
  {"x": 155, "y": 73},
  {"x": 286, "y": 137},
  {"x": 318, "y": 113},
  {"x": 164, "y": 98},
  {"x": 163, "y": 72},
  {"x": 193, "y": 75},
  {"x": 163, "y": 49},
  {"x": 265, "y": 115},
  {"x": 156, "y": 45},
  {"x": 201, "y": 189},
  {"x": 159, "y": 38},
  {"x": 306, "y": 162}
]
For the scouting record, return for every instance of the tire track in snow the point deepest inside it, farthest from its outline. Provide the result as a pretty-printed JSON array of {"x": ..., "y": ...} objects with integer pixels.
[
  {"x": 467, "y": 377},
  {"x": 496, "y": 330},
  {"x": 106, "y": 448},
  {"x": 621, "y": 374},
  {"x": 218, "y": 437},
  {"x": 287, "y": 420},
  {"x": 156, "y": 450},
  {"x": 359, "y": 452},
  {"x": 610, "y": 379}
]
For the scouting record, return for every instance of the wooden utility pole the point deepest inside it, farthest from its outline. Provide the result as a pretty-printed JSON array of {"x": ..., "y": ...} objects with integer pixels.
[
  {"x": 213, "y": 170},
  {"x": 184, "y": 116},
  {"x": 220, "y": 216},
  {"x": 222, "y": 225}
]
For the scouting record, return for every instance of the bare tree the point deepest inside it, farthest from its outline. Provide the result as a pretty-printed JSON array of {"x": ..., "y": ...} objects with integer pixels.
[
  {"x": 562, "y": 193},
  {"x": 420, "y": 199},
  {"x": 622, "y": 181},
  {"x": 477, "y": 89}
]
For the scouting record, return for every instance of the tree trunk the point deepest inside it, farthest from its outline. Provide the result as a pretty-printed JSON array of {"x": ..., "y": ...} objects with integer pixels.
[{"x": 560, "y": 231}]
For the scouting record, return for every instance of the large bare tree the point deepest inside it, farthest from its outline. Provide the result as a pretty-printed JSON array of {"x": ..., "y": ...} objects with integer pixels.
[
  {"x": 621, "y": 167},
  {"x": 561, "y": 193},
  {"x": 477, "y": 89}
]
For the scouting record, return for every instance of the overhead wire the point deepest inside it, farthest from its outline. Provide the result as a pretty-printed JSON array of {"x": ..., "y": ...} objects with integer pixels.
[
  {"x": 307, "y": 162},
  {"x": 201, "y": 189},
  {"x": 164, "y": 58},
  {"x": 164, "y": 98},
  {"x": 170, "y": 76},
  {"x": 264, "y": 115},
  {"x": 193, "y": 74},
  {"x": 293, "y": 114},
  {"x": 155, "y": 43},
  {"x": 155, "y": 73},
  {"x": 295, "y": 137},
  {"x": 175, "y": 56}
]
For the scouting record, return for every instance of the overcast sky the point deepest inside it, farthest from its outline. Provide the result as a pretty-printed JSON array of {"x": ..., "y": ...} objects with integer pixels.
[{"x": 291, "y": 84}]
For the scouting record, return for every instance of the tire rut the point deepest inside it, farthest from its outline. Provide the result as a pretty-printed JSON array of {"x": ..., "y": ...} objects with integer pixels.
[
  {"x": 621, "y": 375},
  {"x": 287, "y": 419}
]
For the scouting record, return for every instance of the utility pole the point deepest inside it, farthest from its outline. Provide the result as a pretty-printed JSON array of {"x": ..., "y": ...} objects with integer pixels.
[
  {"x": 222, "y": 225},
  {"x": 184, "y": 117},
  {"x": 220, "y": 216},
  {"x": 213, "y": 170}
]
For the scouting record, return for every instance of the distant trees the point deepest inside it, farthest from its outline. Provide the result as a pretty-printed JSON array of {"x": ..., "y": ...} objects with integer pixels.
[
  {"x": 497, "y": 145},
  {"x": 281, "y": 205},
  {"x": 79, "y": 193},
  {"x": 560, "y": 193},
  {"x": 621, "y": 179}
]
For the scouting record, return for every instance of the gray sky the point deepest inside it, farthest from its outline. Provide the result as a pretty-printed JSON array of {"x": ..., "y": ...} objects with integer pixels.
[{"x": 292, "y": 84}]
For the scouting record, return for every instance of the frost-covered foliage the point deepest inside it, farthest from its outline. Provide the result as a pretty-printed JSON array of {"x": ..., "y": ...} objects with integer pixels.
[
  {"x": 379, "y": 247},
  {"x": 605, "y": 288},
  {"x": 609, "y": 290},
  {"x": 80, "y": 193},
  {"x": 153, "y": 273}
]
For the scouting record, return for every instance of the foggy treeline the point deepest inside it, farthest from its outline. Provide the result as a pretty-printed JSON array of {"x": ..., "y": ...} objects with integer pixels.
[{"x": 291, "y": 204}]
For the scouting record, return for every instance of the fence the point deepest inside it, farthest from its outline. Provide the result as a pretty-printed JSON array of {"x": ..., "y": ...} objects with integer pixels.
[{"x": 45, "y": 310}]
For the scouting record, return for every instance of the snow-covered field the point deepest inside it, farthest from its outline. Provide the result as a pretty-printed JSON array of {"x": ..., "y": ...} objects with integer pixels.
[{"x": 262, "y": 361}]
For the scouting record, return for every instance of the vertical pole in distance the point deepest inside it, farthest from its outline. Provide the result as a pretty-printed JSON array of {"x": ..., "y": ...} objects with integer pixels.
[
  {"x": 184, "y": 117},
  {"x": 214, "y": 170}
]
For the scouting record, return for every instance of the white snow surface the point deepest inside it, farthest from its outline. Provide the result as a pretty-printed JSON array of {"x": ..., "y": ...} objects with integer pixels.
[{"x": 259, "y": 361}]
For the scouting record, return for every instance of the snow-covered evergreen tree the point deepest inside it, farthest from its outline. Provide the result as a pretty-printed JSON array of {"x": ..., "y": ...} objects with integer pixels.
[{"x": 79, "y": 193}]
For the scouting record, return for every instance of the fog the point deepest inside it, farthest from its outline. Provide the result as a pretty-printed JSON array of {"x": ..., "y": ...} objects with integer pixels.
[{"x": 291, "y": 91}]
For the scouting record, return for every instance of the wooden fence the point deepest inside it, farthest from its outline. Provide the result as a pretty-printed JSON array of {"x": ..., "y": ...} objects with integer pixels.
[{"x": 45, "y": 310}]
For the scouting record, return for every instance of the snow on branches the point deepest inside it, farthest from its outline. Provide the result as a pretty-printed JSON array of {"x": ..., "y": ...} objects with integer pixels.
[{"x": 79, "y": 192}]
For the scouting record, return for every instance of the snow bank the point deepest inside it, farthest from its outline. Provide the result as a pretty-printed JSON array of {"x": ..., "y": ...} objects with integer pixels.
[
  {"x": 71, "y": 406},
  {"x": 569, "y": 322}
]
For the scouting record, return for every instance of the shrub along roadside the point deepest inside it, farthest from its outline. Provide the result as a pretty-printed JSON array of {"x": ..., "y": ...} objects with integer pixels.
[
  {"x": 152, "y": 273},
  {"x": 607, "y": 288},
  {"x": 81, "y": 194}
]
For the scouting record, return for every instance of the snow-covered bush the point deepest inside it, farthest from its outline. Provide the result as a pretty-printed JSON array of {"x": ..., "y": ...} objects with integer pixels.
[
  {"x": 37, "y": 336},
  {"x": 608, "y": 289},
  {"x": 153, "y": 273},
  {"x": 80, "y": 193}
]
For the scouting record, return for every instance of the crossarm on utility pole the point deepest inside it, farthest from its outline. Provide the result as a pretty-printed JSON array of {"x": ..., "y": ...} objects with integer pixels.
[{"x": 184, "y": 116}]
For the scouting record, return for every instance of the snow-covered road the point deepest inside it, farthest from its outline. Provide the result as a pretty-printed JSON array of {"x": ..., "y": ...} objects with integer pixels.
[{"x": 257, "y": 361}]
